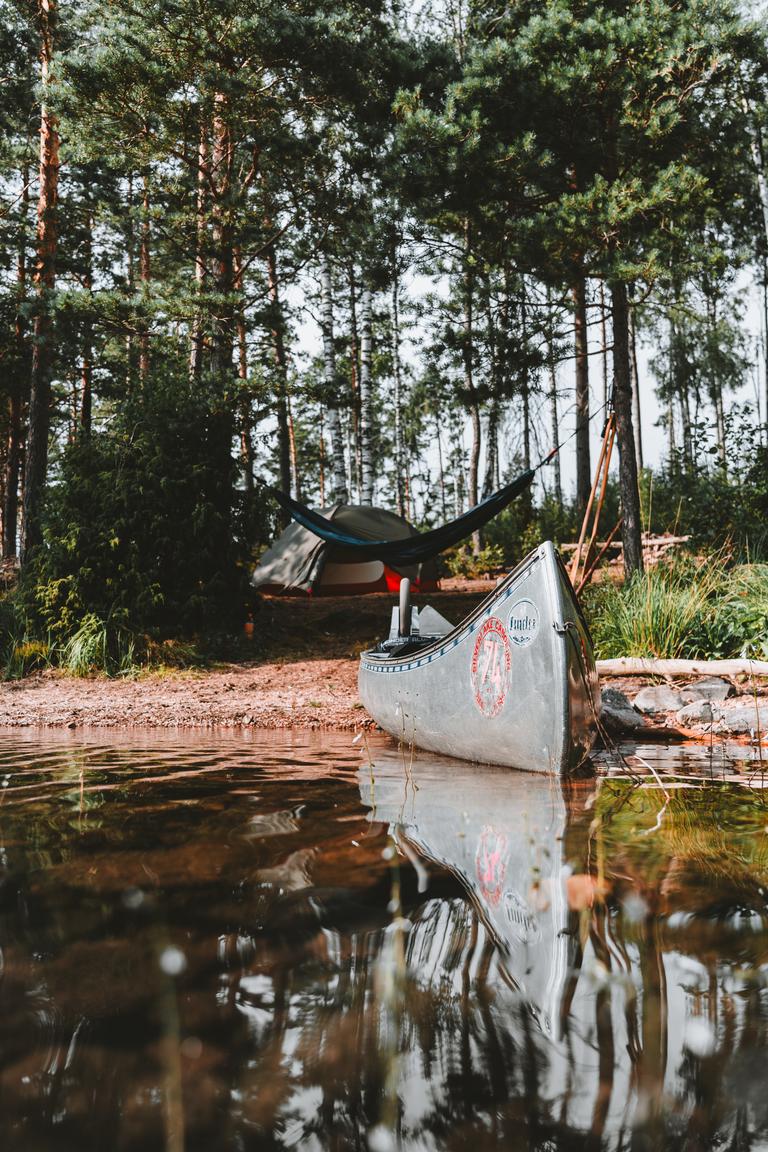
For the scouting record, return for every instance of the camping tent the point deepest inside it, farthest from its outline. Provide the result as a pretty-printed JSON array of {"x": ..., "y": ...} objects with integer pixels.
[{"x": 301, "y": 563}]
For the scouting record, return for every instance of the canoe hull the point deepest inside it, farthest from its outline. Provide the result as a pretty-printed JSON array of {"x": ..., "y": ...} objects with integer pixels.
[{"x": 514, "y": 684}]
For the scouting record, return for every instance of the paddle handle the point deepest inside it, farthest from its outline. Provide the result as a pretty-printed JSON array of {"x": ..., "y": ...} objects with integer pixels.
[{"x": 404, "y": 620}]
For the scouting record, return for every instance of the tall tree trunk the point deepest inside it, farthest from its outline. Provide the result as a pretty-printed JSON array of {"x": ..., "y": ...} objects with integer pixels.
[
  {"x": 130, "y": 280},
  {"x": 45, "y": 283},
  {"x": 554, "y": 418},
  {"x": 339, "y": 493},
  {"x": 86, "y": 366},
  {"x": 604, "y": 345},
  {"x": 581, "y": 353},
  {"x": 321, "y": 457},
  {"x": 555, "y": 426},
  {"x": 197, "y": 339},
  {"x": 631, "y": 529},
  {"x": 17, "y": 389},
  {"x": 281, "y": 366},
  {"x": 491, "y": 447},
  {"x": 222, "y": 343},
  {"x": 758, "y": 159},
  {"x": 525, "y": 387},
  {"x": 244, "y": 398},
  {"x": 722, "y": 453},
  {"x": 495, "y": 375},
  {"x": 441, "y": 469},
  {"x": 765, "y": 345},
  {"x": 295, "y": 474},
  {"x": 685, "y": 417},
  {"x": 468, "y": 349},
  {"x": 398, "y": 398},
  {"x": 671, "y": 446},
  {"x": 636, "y": 414},
  {"x": 366, "y": 398},
  {"x": 355, "y": 450},
  {"x": 145, "y": 274}
]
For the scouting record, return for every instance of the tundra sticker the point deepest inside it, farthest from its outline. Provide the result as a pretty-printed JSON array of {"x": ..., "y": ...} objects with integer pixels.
[
  {"x": 491, "y": 661},
  {"x": 523, "y": 623}
]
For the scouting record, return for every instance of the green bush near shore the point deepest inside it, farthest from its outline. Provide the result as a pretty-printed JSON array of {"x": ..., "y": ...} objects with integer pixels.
[{"x": 689, "y": 609}]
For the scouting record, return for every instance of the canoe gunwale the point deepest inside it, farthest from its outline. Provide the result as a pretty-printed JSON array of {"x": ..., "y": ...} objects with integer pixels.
[{"x": 442, "y": 644}]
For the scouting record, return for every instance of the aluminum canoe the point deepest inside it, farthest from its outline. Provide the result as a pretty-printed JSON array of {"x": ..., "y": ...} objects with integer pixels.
[{"x": 514, "y": 684}]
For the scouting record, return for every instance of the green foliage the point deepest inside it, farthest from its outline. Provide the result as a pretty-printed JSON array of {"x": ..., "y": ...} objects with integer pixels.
[
  {"x": 145, "y": 533},
  {"x": 93, "y": 647},
  {"x": 20, "y": 653},
  {"x": 687, "y": 609},
  {"x": 464, "y": 562},
  {"x": 523, "y": 525},
  {"x": 743, "y": 614},
  {"x": 710, "y": 504}
]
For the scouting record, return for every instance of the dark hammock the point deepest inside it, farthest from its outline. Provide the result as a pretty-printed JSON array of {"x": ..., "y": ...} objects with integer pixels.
[{"x": 413, "y": 549}]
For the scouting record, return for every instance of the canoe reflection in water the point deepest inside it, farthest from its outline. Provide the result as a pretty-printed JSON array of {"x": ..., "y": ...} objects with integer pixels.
[
  {"x": 607, "y": 981},
  {"x": 229, "y": 947}
]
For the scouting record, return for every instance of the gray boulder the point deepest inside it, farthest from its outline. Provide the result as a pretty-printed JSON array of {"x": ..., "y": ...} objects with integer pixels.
[
  {"x": 618, "y": 715},
  {"x": 658, "y": 698},
  {"x": 613, "y": 698},
  {"x": 746, "y": 718},
  {"x": 698, "y": 712},
  {"x": 711, "y": 688}
]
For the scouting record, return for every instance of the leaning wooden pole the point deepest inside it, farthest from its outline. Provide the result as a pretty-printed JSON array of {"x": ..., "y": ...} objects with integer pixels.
[{"x": 601, "y": 473}]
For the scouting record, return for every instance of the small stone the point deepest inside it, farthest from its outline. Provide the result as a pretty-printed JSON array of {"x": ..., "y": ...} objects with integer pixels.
[
  {"x": 746, "y": 718},
  {"x": 699, "y": 712},
  {"x": 620, "y": 720},
  {"x": 712, "y": 688},
  {"x": 657, "y": 698},
  {"x": 617, "y": 713},
  {"x": 613, "y": 698}
]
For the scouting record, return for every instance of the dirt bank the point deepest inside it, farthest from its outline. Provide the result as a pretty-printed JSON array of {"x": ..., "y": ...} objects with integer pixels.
[
  {"x": 304, "y": 693},
  {"x": 300, "y": 671}
]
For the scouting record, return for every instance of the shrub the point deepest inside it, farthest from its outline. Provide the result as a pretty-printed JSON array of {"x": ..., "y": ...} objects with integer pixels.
[
  {"x": 144, "y": 533},
  {"x": 689, "y": 608},
  {"x": 464, "y": 562}
]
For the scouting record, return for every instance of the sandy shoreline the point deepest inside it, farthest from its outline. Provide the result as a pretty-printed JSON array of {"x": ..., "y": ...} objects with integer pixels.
[
  {"x": 309, "y": 695},
  {"x": 303, "y": 676},
  {"x": 312, "y": 694}
]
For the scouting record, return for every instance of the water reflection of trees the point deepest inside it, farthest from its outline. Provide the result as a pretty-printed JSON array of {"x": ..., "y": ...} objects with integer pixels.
[{"x": 328, "y": 1003}]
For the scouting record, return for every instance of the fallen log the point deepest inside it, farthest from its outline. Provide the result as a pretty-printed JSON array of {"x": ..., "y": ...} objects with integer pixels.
[{"x": 639, "y": 666}]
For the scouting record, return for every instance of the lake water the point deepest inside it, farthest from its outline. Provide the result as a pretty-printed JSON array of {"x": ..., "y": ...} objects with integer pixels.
[{"x": 297, "y": 942}]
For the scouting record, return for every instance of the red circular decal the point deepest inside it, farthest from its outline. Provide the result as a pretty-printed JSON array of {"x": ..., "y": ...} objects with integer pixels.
[
  {"x": 491, "y": 662},
  {"x": 491, "y": 863}
]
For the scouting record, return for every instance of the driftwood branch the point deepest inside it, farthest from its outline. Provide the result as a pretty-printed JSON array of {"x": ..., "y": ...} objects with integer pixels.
[{"x": 637, "y": 666}]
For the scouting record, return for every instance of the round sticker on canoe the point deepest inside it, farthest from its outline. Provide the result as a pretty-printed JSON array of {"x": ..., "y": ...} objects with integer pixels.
[
  {"x": 491, "y": 662},
  {"x": 523, "y": 623}
]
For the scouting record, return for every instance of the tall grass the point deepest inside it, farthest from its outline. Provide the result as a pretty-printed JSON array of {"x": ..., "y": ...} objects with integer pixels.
[
  {"x": 687, "y": 609},
  {"x": 744, "y": 611},
  {"x": 95, "y": 647},
  {"x": 20, "y": 652}
]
